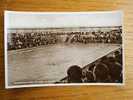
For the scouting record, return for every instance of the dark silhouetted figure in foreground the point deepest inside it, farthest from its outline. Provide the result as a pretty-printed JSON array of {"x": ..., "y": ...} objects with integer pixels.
[
  {"x": 101, "y": 72},
  {"x": 89, "y": 76},
  {"x": 115, "y": 69},
  {"x": 118, "y": 56},
  {"x": 74, "y": 74}
]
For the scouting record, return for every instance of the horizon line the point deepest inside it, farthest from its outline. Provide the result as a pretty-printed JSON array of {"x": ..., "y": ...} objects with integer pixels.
[{"x": 64, "y": 27}]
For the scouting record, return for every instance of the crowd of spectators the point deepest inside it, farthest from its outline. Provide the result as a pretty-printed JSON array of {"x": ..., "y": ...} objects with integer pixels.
[
  {"x": 34, "y": 39},
  {"x": 98, "y": 37},
  {"x": 28, "y": 40},
  {"x": 107, "y": 69}
]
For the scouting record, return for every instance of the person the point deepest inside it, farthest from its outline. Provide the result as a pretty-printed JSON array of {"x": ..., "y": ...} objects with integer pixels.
[
  {"x": 105, "y": 60},
  {"x": 115, "y": 70},
  {"x": 118, "y": 56},
  {"x": 89, "y": 76},
  {"x": 101, "y": 73},
  {"x": 74, "y": 74},
  {"x": 91, "y": 67}
]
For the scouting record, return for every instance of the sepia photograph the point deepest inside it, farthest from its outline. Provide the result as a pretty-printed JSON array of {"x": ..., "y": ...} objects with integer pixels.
[{"x": 63, "y": 48}]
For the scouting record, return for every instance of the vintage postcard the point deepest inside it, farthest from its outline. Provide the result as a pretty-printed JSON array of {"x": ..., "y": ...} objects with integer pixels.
[{"x": 63, "y": 48}]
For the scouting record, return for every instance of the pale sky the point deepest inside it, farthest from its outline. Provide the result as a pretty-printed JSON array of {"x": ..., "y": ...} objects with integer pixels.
[{"x": 14, "y": 19}]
